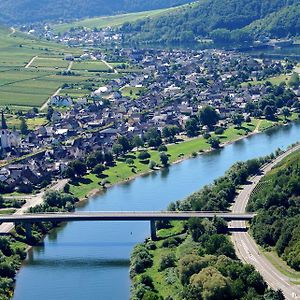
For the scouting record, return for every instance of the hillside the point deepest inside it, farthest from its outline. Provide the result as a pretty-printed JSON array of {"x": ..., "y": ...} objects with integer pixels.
[
  {"x": 278, "y": 25},
  {"x": 276, "y": 199},
  {"x": 113, "y": 21},
  {"x": 29, "y": 11},
  {"x": 223, "y": 21}
]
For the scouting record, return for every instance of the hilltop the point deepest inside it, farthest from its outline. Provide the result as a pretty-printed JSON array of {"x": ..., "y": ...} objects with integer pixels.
[
  {"x": 30, "y": 11},
  {"x": 223, "y": 21}
]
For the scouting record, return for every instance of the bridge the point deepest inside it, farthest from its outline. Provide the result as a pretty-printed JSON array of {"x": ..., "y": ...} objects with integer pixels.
[{"x": 28, "y": 219}]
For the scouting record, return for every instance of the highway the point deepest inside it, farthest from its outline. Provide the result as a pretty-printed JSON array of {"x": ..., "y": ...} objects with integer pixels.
[
  {"x": 122, "y": 216},
  {"x": 246, "y": 248}
]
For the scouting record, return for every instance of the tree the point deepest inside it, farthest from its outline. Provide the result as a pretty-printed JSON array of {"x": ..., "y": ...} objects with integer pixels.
[
  {"x": 214, "y": 142},
  {"x": 143, "y": 155},
  {"x": 153, "y": 137},
  {"x": 294, "y": 81},
  {"x": 124, "y": 142},
  {"x": 237, "y": 119},
  {"x": 76, "y": 168},
  {"x": 286, "y": 112},
  {"x": 213, "y": 284},
  {"x": 23, "y": 126},
  {"x": 49, "y": 113},
  {"x": 137, "y": 141},
  {"x": 164, "y": 159},
  {"x": 191, "y": 127},
  {"x": 208, "y": 116},
  {"x": 98, "y": 169},
  {"x": 269, "y": 112},
  {"x": 196, "y": 228},
  {"x": 117, "y": 149}
]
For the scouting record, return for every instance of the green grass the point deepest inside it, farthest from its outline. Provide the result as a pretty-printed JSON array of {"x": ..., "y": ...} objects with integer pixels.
[
  {"x": 274, "y": 80},
  {"x": 112, "y": 21},
  {"x": 7, "y": 211},
  {"x": 93, "y": 66},
  {"x": 132, "y": 91},
  {"x": 282, "y": 266},
  {"x": 122, "y": 172},
  {"x": 49, "y": 63}
]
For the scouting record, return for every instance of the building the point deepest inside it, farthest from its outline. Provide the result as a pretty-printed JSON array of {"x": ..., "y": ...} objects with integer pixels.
[{"x": 8, "y": 139}]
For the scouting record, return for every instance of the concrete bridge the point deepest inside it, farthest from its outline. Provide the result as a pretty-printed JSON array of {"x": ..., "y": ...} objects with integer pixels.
[{"x": 28, "y": 219}]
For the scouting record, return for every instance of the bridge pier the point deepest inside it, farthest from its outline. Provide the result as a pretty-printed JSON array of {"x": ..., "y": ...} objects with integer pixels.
[
  {"x": 153, "y": 230},
  {"x": 28, "y": 232}
]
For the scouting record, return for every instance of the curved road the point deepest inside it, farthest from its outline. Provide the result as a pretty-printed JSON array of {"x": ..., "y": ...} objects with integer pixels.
[{"x": 246, "y": 248}]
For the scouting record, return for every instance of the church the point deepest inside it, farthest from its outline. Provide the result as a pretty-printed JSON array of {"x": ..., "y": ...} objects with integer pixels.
[{"x": 8, "y": 139}]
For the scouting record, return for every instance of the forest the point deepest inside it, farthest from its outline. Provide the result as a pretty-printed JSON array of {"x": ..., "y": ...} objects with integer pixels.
[
  {"x": 229, "y": 21},
  {"x": 30, "y": 11},
  {"x": 195, "y": 260},
  {"x": 277, "y": 201}
]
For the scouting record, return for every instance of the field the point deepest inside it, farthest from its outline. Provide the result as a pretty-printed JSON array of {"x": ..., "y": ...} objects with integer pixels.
[
  {"x": 111, "y": 21},
  {"x": 23, "y": 88},
  {"x": 30, "y": 71},
  {"x": 132, "y": 91},
  {"x": 93, "y": 66}
]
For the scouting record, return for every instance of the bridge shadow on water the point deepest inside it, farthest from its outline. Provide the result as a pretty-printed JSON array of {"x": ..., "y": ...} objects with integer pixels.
[{"x": 78, "y": 262}]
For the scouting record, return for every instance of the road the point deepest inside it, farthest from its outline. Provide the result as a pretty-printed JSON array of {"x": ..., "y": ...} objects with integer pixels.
[
  {"x": 30, "y": 62},
  {"x": 246, "y": 248},
  {"x": 121, "y": 216},
  {"x": 44, "y": 106},
  {"x": 31, "y": 202},
  {"x": 110, "y": 66}
]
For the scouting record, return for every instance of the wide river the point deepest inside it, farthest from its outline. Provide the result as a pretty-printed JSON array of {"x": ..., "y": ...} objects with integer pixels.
[{"x": 90, "y": 260}]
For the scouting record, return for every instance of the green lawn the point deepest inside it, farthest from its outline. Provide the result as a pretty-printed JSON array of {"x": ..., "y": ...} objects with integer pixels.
[
  {"x": 132, "y": 91},
  {"x": 274, "y": 80},
  {"x": 121, "y": 171}
]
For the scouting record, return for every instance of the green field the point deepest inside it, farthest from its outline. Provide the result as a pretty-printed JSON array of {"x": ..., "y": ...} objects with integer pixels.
[
  {"x": 93, "y": 66},
  {"x": 111, "y": 21},
  {"x": 132, "y": 91},
  {"x": 20, "y": 87},
  {"x": 49, "y": 63}
]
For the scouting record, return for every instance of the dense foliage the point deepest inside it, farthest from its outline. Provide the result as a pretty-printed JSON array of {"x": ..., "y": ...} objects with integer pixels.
[
  {"x": 30, "y": 11},
  {"x": 223, "y": 21},
  {"x": 195, "y": 259},
  {"x": 277, "y": 200}
]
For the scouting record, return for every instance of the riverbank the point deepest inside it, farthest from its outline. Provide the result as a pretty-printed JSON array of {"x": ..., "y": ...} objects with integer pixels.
[
  {"x": 101, "y": 250},
  {"x": 90, "y": 185}
]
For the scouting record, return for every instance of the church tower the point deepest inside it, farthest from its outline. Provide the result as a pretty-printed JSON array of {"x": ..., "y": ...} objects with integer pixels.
[{"x": 4, "y": 134}]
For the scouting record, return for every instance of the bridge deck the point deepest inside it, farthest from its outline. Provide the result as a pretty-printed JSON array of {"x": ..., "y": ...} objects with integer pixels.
[{"x": 122, "y": 216}]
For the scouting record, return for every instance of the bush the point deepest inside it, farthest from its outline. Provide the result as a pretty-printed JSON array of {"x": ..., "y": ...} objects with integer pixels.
[
  {"x": 143, "y": 155},
  {"x": 162, "y": 148},
  {"x": 206, "y": 136},
  {"x": 152, "y": 164},
  {"x": 219, "y": 130},
  {"x": 167, "y": 261},
  {"x": 171, "y": 242}
]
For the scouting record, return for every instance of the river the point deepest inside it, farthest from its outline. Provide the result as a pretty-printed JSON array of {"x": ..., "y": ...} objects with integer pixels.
[{"x": 90, "y": 260}]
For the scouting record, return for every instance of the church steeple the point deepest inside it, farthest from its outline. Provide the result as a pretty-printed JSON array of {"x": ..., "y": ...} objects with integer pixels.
[{"x": 3, "y": 122}]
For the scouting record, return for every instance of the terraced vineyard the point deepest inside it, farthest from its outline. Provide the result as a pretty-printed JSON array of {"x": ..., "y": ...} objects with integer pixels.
[{"x": 31, "y": 71}]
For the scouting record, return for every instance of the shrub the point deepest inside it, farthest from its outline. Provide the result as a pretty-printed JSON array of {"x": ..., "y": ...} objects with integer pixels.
[
  {"x": 167, "y": 261},
  {"x": 162, "y": 148},
  {"x": 143, "y": 155}
]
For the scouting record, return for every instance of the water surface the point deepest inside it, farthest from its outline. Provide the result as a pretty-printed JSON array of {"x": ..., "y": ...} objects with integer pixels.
[{"x": 90, "y": 260}]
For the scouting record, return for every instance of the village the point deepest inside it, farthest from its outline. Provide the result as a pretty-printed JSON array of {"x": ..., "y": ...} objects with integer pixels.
[{"x": 169, "y": 89}]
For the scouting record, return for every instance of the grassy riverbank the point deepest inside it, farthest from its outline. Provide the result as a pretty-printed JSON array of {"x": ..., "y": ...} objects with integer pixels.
[
  {"x": 194, "y": 259},
  {"x": 121, "y": 172}
]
